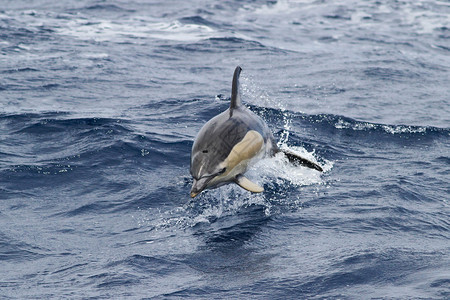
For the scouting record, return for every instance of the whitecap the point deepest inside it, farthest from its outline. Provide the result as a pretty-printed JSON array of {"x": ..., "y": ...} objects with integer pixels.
[
  {"x": 280, "y": 7},
  {"x": 133, "y": 30},
  {"x": 366, "y": 126}
]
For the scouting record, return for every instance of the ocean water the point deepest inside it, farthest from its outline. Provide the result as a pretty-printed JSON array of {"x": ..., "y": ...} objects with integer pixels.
[{"x": 100, "y": 102}]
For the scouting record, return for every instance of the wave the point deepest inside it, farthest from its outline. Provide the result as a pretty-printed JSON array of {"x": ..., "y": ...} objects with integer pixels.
[
  {"x": 217, "y": 44},
  {"x": 49, "y": 142},
  {"x": 87, "y": 146},
  {"x": 106, "y": 7},
  {"x": 78, "y": 136},
  {"x": 18, "y": 251},
  {"x": 341, "y": 123},
  {"x": 198, "y": 20},
  {"x": 19, "y": 70}
]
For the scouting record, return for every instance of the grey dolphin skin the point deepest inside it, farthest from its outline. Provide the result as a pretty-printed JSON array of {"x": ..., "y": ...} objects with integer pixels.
[{"x": 230, "y": 142}]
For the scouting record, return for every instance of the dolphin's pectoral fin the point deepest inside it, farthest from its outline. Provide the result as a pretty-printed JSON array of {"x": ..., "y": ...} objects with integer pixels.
[
  {"x": 246, "y": 149},
  {"x": 248, "y": 185},
  {"x": 294, "y": 158}
]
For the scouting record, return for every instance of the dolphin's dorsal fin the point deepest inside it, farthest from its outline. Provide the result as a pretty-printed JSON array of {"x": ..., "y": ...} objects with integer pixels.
[
  {"x": 235, "y": 94},
  {"x": 248, "y": 185}
]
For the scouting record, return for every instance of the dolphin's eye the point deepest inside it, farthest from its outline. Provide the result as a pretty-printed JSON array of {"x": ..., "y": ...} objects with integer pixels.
[
  {"x": 222, "y": 171},
  {"x": 205, "y": 151}
]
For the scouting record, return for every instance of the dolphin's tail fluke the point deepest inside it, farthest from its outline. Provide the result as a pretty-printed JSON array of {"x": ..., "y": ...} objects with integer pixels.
[
  {"x": 235, "y": 94},
  {"x": 295, "y": 159}
]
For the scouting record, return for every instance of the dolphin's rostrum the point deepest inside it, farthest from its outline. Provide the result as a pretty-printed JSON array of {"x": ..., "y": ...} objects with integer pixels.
[{"x": 229, "y": 142}]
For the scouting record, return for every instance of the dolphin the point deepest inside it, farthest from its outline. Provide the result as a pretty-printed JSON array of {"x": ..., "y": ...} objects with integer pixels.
[{"x": 229, "y": 143}]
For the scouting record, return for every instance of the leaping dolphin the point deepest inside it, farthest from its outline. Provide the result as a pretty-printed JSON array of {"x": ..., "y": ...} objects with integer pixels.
[{"x": 229, "y": 143}]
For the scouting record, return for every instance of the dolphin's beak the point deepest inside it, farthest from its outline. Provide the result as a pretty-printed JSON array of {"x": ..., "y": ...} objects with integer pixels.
[{"x": 198, "y": 186}]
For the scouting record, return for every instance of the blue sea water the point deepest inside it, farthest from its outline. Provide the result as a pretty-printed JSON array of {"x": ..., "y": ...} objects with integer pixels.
[{"x": 100, "y": 104}]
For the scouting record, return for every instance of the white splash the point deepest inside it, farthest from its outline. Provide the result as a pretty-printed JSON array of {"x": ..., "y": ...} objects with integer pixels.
[
  {"x": 273, "y": 173},
  {"x": 278, "y": 169}
]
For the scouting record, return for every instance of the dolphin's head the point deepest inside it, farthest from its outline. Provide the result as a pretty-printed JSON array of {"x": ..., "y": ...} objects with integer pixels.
[{"x": 207, "y": 168}]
